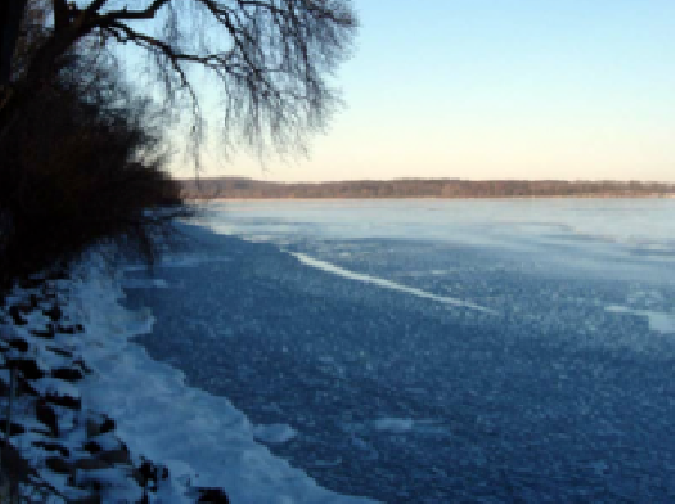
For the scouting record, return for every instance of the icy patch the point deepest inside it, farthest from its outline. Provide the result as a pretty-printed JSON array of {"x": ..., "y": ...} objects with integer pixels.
[
  {"x": 145, "y": 283},
  {"x": 387, "y": 284},
  {"x": 187, "y": 261},
  {"x": 658, "y": 321},
  {"x": 274, "y": 433},
  {"x": 394, "y": 424},
  {"x": 178, "y": 261},
  {"x": 260, "y": 238}
]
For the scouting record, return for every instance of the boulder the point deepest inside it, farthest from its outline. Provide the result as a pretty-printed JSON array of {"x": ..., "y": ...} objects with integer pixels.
[
  {"x": 63, "y": 451},
  {"x": 115, "y": 457},
  {"x": 45, "y": 414},
  {"x": 74, "y": 403},
  {"x": 213, "y": 495},
  {"x": 58, "y": 465},
  {"x": 27, "y": 367},
  {"x": 68, "y": 374}
]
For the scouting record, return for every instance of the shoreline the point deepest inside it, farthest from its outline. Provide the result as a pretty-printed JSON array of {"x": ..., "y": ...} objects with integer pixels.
[{"x": 219, "y": 199}]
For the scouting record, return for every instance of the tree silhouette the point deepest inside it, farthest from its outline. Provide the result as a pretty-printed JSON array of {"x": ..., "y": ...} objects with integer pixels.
[
  {"x": 270, "y": 58},
  {"x": 82, "y": 149}
]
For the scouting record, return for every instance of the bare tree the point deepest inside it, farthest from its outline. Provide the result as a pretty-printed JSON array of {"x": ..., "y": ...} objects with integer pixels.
[{"x": 269, "y": 58}]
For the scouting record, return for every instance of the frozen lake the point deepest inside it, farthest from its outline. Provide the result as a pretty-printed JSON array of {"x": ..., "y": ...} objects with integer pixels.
[{"x": 434, "y": 351}]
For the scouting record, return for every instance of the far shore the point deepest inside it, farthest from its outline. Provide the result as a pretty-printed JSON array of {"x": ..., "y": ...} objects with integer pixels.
[{"x": 427, "y": 198}]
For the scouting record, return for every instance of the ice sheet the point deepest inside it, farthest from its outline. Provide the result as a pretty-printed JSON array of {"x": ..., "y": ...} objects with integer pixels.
[
  {"x": 201, "y": 438},
  {"x": 624, "y": 239}
]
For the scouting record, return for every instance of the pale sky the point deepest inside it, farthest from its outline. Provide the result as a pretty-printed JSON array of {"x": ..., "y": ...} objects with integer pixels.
[{"x": 497, "y": 89}]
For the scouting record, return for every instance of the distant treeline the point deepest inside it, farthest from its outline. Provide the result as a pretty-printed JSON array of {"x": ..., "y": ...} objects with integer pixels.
[{"x": 245, "y": 188}]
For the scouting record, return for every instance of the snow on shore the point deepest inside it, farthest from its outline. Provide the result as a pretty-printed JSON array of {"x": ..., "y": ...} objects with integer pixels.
[{"x": 202, "y": 439}]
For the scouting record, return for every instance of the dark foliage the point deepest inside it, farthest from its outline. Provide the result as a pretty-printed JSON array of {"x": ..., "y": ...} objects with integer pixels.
[
  {"x": 81, "y": 164},
  {"x": 80, "y": 158},
  {"x": 269, "y": 60}
]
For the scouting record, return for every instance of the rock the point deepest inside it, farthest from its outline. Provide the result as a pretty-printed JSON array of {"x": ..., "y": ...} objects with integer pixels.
[
  {"x": 92, "y": 447},
  {"x": 91, "y": 427},
  {"x": 107, "y": 425},
  {"x": 115, "y": 457},
  {"x": 149, "y": 472},
  {"x": 33, "y": 282},
  {"x": 42, "y": 432},
  {"x": 58, "y": 465},
  {"x": 47, "y": 334},
  {"x": 74, "y": 403},
  {"x": 14, "y": 428},
  {"x": 67, "y": 374},
  {"x": 52, "y": 447},
  {"x": 28, "y": 368},
  {"x": 16, "y": 315},
  {"x": 94, "y": 499},
  {"x": 91, "y": 464},
  {"x": 213, "y": 495},
  {"x": 94, "y": 428},
  {"x": 71, "y": 329},
  {"x": 19, "y": 343},
  {"x": 54, "y": 313},
  {"x": 60, "y": 351},
  {"x": 26, "y": 387},
  {"x": 46, "y": 415},
  {"x": 13, "y": 465},
  {"x": 81, "y": 364}
]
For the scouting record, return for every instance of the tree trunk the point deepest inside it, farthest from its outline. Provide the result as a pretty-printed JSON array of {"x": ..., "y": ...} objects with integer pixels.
[{"x": 12, "y": 15}]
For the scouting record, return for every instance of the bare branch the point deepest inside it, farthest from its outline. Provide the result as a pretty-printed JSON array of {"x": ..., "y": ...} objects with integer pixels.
[
  {"x": 270, "y": 59},
  {"x": 125, "y": 14}
]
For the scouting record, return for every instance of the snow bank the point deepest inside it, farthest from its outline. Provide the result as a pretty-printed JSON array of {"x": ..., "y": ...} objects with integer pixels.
[{"x": 202, "y": 439}]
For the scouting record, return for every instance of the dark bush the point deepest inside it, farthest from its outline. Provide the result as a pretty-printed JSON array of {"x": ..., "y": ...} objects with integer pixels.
[{"x": 81, "y": 163}]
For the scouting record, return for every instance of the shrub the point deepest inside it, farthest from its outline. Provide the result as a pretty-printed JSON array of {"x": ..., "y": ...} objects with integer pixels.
[{"x": 81, "y": 163}]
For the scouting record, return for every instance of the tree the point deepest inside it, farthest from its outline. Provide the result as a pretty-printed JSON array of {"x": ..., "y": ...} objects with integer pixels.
[
  {"x": 270, "y": 58},
  {"x": 80, "y": 153}
]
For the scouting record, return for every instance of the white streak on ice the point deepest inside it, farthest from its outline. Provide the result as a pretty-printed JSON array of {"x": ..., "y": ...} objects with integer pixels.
[
  {"x": 397, "y": 425},
  {"x": 387, "y": 284},
  {"x": 658, "y": 321}
]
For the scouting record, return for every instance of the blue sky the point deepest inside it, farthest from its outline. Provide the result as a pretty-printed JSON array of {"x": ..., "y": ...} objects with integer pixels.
[{"x": 508, "y": 89}]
